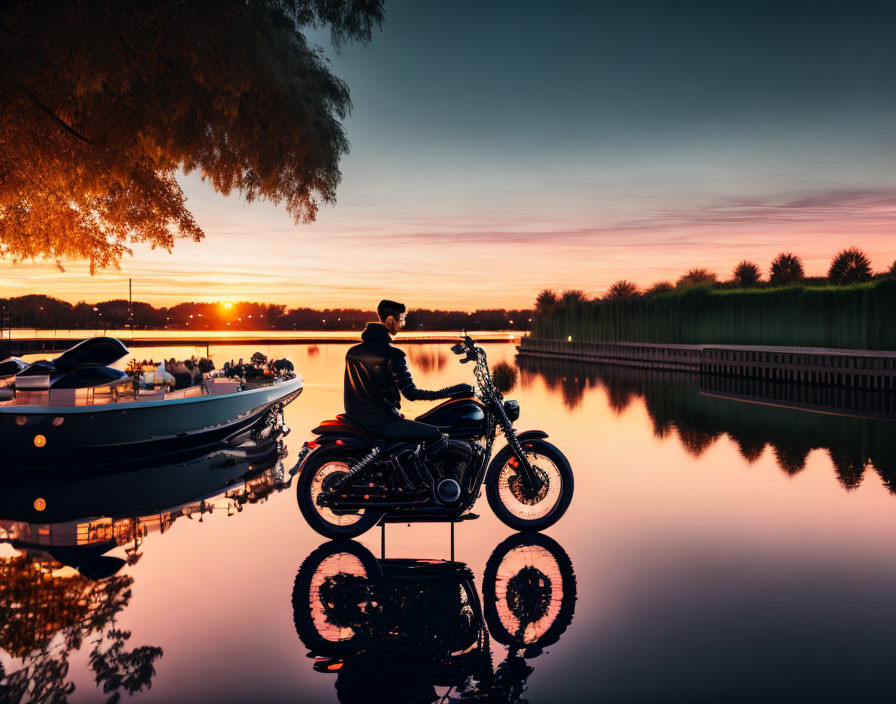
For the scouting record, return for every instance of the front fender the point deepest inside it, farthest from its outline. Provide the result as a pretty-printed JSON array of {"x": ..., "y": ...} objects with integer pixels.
[{"x": 531, "y": 435}]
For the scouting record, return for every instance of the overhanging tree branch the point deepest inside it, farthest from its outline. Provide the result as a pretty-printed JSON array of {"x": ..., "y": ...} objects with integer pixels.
[{"x": 58, "y": 120}]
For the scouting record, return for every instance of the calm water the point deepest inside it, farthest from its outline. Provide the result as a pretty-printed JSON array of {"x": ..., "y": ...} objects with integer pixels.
[{"x": 721, "y": 550}]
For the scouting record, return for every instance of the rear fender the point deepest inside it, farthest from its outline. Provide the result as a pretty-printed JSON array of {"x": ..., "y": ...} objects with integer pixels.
[
  {"x": 325, "y": 441},
  {"x": 342, "y": 440}
]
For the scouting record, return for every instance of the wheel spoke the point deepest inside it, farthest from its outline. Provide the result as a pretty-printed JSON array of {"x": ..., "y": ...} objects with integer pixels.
[
  {"x": 341, "y": 565},
  {"x": 319, "y": 485},
  {"x": 544, "y": 577},
  {"x": 519, "y": 499}
]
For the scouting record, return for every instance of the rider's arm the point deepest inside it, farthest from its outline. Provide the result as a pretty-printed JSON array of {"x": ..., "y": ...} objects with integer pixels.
[{"x": 402, "y": 375}]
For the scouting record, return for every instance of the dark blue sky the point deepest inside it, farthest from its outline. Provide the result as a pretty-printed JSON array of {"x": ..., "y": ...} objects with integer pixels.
[{"x": 560, "y": 75}]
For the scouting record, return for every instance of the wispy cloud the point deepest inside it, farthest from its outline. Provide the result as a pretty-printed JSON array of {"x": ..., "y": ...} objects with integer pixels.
[{"x": 468, "y": 262}]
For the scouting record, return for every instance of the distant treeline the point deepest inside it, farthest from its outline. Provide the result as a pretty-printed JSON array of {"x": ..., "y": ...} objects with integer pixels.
[
  {"x": 862, "y": 316},
  {"x": 850, "y": 308},
  {"x": 44, "y": 312}
]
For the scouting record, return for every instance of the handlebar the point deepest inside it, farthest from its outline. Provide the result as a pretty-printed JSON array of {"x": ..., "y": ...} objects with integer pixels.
[
  {"x": 467, "y": 346},
  {"x": 469, "y": 351}
]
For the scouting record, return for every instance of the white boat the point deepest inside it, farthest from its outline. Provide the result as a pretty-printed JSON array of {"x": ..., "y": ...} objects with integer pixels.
[{"x": 77, "y": 410}]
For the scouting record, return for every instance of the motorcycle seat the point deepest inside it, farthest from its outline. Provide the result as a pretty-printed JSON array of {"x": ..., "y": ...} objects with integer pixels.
[{"x": 343, "y": 424}]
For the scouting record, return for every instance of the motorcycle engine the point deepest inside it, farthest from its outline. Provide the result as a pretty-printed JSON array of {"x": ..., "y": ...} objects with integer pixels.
[
  {"x": 449, "y": 458},
  {"x": 448, "y": 491}
]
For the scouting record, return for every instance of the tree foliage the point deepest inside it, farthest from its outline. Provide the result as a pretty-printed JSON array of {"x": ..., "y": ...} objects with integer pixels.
[
  {"x": 621, "y": 290},
  {"x": 850, "y": 266},
  {"x": 546, "y": 300},
  {"x": 573, "y": 295},
  {"x": 746, "y": 274},
  {"x": 696, "y": 277},
  {"x": 102, "y": 102},
  {"x": 658, "y": 288},
  {"x": 856, "y": 317},
  {"x": 787, "y": 268},
  {"x": 45, "y": 312}
]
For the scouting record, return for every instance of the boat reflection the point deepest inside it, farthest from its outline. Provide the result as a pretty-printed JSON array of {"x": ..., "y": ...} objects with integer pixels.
[
  {"x": 61, "y": 589},
  {"x": 854, "y": 428},
  {"x": 400, "y": 630}
]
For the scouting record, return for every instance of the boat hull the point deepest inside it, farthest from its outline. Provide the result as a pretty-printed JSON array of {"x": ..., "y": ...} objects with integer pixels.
[{"x": 42, "y": 436}]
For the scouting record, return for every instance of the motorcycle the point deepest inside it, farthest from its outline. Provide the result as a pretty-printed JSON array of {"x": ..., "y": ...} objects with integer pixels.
[
  {"x": 349, "y": 480},
  {"x": 393, "y": 630}
]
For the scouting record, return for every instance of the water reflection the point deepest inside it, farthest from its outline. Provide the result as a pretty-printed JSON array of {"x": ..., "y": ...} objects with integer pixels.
[
  {"x": 60, "y": 590},
  {"x": 400, "y": 630},
  {"x": 853, "y": 428},
  {"x": 427, "y": 358}
]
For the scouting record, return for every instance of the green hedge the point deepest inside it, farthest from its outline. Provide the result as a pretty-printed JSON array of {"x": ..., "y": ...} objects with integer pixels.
[{"x": 862, "y": 316}]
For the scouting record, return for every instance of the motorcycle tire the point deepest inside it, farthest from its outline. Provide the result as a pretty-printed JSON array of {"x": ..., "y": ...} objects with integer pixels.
[
  {"x": 505, "y": 494},
  {"x": 544, "y": 554},
  {"x": 312, "y": 627},
  {"x": 325, "y": 521}
]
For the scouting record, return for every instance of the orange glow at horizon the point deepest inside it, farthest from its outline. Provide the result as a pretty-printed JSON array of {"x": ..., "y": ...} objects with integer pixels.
[{"x": 352, "y": 258}]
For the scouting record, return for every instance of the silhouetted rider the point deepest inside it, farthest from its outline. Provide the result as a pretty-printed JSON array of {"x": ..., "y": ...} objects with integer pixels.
[{"x": 377, "y": 375}]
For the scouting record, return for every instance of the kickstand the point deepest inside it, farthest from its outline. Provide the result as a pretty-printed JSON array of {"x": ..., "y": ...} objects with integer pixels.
[
  {"x": 383, "y": 540},
  {"x": 452, "y": 541}
]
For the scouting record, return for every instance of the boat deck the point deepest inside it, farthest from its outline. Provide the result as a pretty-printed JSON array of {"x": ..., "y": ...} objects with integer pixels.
[{"x": 103, "y": 395}]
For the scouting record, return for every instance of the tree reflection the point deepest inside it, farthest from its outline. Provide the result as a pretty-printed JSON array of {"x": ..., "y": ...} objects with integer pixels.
[
  {"x": 850, "y": 467},
  {"x": 62, "y": 592},
  {"x": 790, "y": 458},
  {"x": 395, "y": 630},
  {"x": 750, "y": 448},
  {"x": 46, "y": 616},
  {"x": 853, "y": 427},
  {"x": 695, "y": 441},
  {"x": 427, "y": 358}
]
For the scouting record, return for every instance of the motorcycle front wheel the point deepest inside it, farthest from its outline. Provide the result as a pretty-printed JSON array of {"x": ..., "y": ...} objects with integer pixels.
[
  {"x": 529, "y": 592},
  {"x": 318, "y": 474},
  {"x": 517, "y": 504}
]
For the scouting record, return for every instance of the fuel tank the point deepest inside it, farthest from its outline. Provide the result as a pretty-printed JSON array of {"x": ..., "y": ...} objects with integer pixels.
[{"x": 459, "y": 417}]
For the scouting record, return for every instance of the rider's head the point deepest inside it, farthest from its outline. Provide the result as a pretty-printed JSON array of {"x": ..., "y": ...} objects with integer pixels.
[{"x": 392, "y": 315}]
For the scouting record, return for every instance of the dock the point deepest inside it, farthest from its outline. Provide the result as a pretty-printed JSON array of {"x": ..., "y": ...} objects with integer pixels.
[{"x": 870, "y": 370}]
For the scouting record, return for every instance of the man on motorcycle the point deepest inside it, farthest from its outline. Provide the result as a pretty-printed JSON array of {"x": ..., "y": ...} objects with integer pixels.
[{"x": 377, "y": 375}]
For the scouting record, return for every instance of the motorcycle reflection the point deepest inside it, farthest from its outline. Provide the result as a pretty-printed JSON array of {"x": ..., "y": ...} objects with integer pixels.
[{"x": 395, "y": 630}]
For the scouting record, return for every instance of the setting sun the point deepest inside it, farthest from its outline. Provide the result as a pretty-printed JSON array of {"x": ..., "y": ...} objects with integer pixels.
[{"x": 227, "y": 305}]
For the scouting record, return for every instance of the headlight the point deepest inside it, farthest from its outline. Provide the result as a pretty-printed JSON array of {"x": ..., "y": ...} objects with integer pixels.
[{"x": 512, "y": 409}]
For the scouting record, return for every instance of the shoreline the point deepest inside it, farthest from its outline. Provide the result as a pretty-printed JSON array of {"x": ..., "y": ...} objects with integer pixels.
[
  {"x": 872, "y": 370},
  {"x": 19, "y": 346}
]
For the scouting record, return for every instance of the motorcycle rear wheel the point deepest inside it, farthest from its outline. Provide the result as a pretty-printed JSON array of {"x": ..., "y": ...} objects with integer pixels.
[
  {"x": 521, "y": 509},
  {"x": 327, "y": 464},
  {"x": 333, "y": 630}
]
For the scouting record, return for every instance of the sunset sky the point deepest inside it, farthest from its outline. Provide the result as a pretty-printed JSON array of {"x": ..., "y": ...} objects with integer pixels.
[{"x": 501, "y": 148}]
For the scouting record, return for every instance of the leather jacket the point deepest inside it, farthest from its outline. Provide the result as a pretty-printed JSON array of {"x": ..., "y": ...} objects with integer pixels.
[{"x": 376, "y": 376}]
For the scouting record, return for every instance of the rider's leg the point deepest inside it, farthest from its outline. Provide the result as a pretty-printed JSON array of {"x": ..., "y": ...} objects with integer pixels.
[
  {"x": 411, "y": 430},
  {"x": 452, "y": 455}
]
